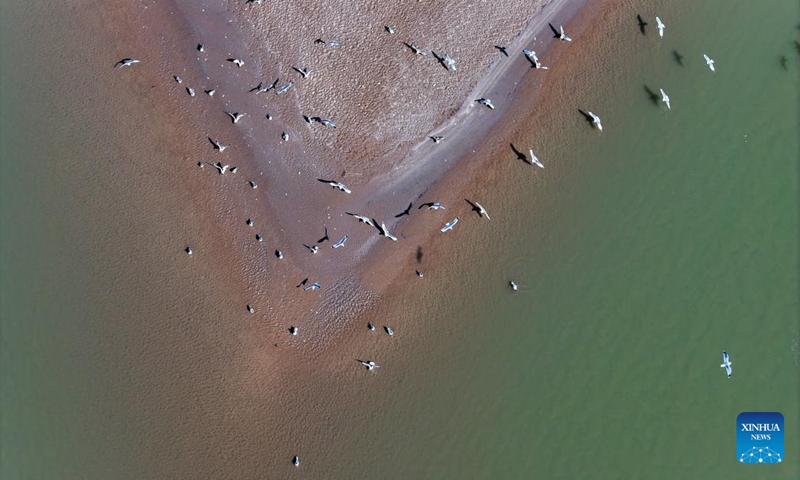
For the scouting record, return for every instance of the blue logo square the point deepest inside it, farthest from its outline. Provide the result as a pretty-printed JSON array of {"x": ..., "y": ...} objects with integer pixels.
[{"x": 759, "y": 437}]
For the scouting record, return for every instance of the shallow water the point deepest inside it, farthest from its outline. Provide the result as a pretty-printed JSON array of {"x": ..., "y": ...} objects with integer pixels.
[{"x": 642, "y": 252}]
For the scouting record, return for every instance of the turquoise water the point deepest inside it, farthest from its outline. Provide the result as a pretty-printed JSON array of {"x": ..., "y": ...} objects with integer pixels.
[{"x": 642, "y": 252}]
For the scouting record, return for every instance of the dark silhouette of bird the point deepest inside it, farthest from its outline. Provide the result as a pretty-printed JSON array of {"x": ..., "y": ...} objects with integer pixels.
[
  {"x": 642, "y": 23},
  {"x": 407, "y": 211},
  {"x": 303, "y": 282},
  {"x": 325, "y": 238},
  {"x": 502, "y": 50}
]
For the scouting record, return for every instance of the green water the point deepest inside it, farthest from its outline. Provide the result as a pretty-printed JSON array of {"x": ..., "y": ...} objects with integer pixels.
[{"x": 641, "y": 252}]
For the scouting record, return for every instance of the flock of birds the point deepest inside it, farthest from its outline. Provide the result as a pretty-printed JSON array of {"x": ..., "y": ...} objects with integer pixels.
[{"x": 380, "y": 226}]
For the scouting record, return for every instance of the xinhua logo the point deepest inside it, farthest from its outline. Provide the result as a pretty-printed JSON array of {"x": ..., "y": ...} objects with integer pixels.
[{"x": 759, "y": 437}]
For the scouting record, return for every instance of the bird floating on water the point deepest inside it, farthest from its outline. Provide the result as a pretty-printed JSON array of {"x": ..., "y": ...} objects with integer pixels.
[
  {"x": 726, "y": 364},
  {"x": 217, "y": 145},
  {"x": 341, "y": 186},
  {"x": 340, "y": 243},
  {"x": 485, "y": 101},
  {"x": 660, "y": 25},
  {"x": 449, "y": 225},
  {"x": 236, "y": 62},
  {"x": 559, "y": 34},
  {"x": 534, "y": 159},
  {"x": 235, "y": 116},
  {"x": 665, "y": 98},
  {"x": 479, "y": 208},
  {"x": 709, "y": 62},
  {"x": 126, "y": 62},
  {"x": 596, "y": 121}
]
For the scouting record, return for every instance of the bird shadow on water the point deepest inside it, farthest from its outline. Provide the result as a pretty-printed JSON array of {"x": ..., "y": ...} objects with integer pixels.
[
  {"x": 653, "y": 96},
  {"x": 678, "y": 57},
  {"x": 641, "y": 22},
  {"x": 520, "y": 156}
]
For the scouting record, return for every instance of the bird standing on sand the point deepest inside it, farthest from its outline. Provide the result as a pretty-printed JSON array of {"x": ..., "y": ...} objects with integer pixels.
[
  {"x": 312, "y": 248},
  {"x": 479, "y": 208},
  {"x": 389, "y": 330},
  {"x": 293, "y": 331},
  {"x": 189, "y": 250},
  {"x": 235, "y": 116},
  {"x": 341, "y": 186},
  {"x": 449, "y": 225},
  {"x": 709, "y": 62},
  {"x": 596, "y": 121},
  {"x": 485, "y": 101},
  {"x": 436, "y": 138},
  {"x": 665, "y": 98},
  {"x": 296, "y": 459},
  {"x": 660, "y": 25},
  {"x": 125, "y": 62}
]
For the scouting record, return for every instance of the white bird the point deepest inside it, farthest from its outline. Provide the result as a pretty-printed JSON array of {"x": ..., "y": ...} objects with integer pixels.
[
  {"x": 235, "y": 116},
  {"x": 126, "y": 62},
  {"x": 596, "y": 121},
  {"x": 726, "y": 364},
  {"x": 259, "y": 237},
  {"x": 514, "y": 286},
  {"x": 369, "y": 364},
  {"x": 296, "y": 461},
  {"x": 362, "y": 218},
  {"x": 389, "y": 330},
  {"x": 251, "y": 309},
  {"x": 449, "y": 225},
  {"x": 218, "y": 145},
  {"x": 210, "y": 93},
  {"x": 221, "y": 168},
  {"x": 432, "y": 206},
  {"x": 283, "y": 88},
  {"x": 370, "y": 326},
  {"x": 301, "y": 71},
  {"x": 559, "y": 34},
  {"x": 285, "y": 137},
  {"x": 386, "y": 233},
  {"x": 340, "y": 243},
  {"x": 416, "y": 49},
  {"x": 534, "y": 160},
  {"x": 189, "y": 250},
  {"x": 177, "y": 78},
  {"x": 313, "y": 286},
  {"x": 660, "y": 25},
  {"x": 485, "y": 101},
  {"x": 312, "y": 248},
  {"x": 190, "y": 91},
  {"x": 665, "y": 98},
  {"x": 449, "y": 63},
  {"x": 709, "y": 62},
  {"x": 293, "y": 331},
  {"x": 534, "y": 59},
  {"x": 437, "y": 138},
  {"x": 252, "y": 183},
  {"x": 236, "y": 62},
  {"x": 479, "y": 208},
  {"x": 341, "y": 186},
  {"x": 279, "y": 254}
]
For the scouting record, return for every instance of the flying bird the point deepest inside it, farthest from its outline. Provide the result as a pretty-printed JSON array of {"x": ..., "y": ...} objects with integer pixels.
[
  {"x": 432, "y": 206},
  {"x": 449, "y": 225},
  {"x": 221, "y": 168},
  {"x": 236, "y": 62},
  {"x": 559, "y": 34},
  {"x": 642, "y": 23},
  {"x": 502, "y": 50},
  {"x": 535, "y": 63},
  {"x": 362, "y": 219},
  {"x": 369, "y": 364},
  {"x": 485, "y": 101},
  {"x": 726, "y": 364},
  {"x": 709, "y": 62},
  {"x": 125, "y": 62},
  {"x": 660, "y": 25},
  {"x": 385, "y": 231},
  {"x": 217, "y": 145},
  {"x": 665, "y": 98},
  {"x": 407, "y": 211},
  {"x": 535, "y": 160},
  {"x": 341, "y": 186},
  {"x": 283, "y": 88},
  {"x": 478, "y": 208},
  {"x": 436, "y": 139},
  {"x": 235, "y": 116},
  {"x": 340, "y": 243},
  {"x": 416, "y": 49},
  {"x": 596, "y": 121},
  {"x": 313, "y": 286}
]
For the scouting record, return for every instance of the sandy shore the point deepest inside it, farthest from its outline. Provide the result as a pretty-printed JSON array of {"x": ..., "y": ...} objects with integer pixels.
[{"x": 386, "y": 102}]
